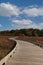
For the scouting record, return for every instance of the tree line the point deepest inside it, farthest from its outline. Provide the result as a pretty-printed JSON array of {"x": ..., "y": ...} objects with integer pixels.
[{"x": 26, "y": 32}]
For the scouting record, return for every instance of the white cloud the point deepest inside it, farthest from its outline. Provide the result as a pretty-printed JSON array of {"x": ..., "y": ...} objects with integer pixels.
[
  {"x": 22, "y": 22},
  {"x": 27, "y": 24},
  {"x": 1, "y": 25},
  {"x": 33, "y": 11},
  {"x": 7, "y": 9},
  {"x": 40, "y": 25}
]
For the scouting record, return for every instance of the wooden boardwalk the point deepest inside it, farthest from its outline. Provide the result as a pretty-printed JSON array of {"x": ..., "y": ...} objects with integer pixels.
[{"x": 26, "y": 54}]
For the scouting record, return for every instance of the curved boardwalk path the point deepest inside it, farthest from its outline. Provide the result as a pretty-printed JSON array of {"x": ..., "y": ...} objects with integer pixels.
[{"x": 26, "y": 54}]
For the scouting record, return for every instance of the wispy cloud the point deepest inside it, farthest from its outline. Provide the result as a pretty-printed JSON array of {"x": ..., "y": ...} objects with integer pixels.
[
  {"x": 1, "y": 25},
  {"x": 22, "y": 22},
  {"x": 27, "y": 24},
  {"x": 33, "y": 11},
  {"x": 7, "y": 9}
]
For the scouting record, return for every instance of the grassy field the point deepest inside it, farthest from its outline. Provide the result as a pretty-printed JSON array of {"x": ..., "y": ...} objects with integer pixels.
[
  {"x": 5, "y": 46},
  {"x": 36, "y": 40}
]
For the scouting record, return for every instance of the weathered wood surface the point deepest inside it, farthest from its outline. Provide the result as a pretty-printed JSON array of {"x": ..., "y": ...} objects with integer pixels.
[{"x": 26, "y": 54}]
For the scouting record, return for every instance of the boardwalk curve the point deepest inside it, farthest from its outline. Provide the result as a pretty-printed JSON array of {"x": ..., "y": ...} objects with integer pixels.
[{"x": 26, "y": 54}]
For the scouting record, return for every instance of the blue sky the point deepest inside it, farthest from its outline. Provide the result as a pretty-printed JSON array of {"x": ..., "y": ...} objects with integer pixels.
[{"x": 19, "y": 14}]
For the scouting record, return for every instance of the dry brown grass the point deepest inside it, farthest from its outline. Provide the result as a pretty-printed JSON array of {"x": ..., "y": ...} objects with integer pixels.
[
  {"x": 35, "y": 40},
  {"x": 5, "y": 46}
]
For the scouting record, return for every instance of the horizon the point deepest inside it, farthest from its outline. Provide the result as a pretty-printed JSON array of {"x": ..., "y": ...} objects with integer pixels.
[
  {"x": 21, "y": 29},
  {"x": 21, "y": 14}
]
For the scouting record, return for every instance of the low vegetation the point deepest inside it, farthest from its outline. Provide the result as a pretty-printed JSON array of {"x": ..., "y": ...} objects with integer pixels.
[
  {"x": 6, "y": 46},
  {"x": 32, "y": 35},
  {"x": 35, "y": 40},
  {"x": 26, "y": 32}
]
